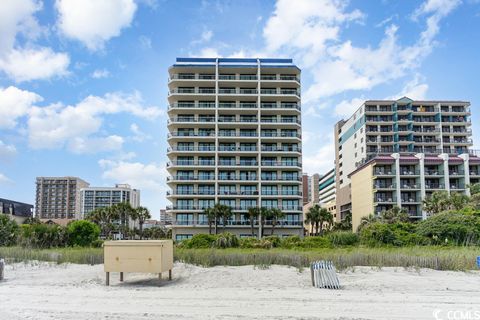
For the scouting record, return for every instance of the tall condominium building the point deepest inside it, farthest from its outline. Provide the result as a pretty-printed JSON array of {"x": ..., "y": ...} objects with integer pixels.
[
  {"x": 101, "y": 197},
  {"x": 411, "y": 136},
  {"x": 327, "y": 187},
  {"x": 235, "y": 139},
  {"x": 310, "y": 188},
  {"x": 58, "y": 198}
]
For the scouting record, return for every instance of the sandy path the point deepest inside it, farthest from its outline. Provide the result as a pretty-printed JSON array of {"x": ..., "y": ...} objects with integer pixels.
[{"x": 46, "y": 291}]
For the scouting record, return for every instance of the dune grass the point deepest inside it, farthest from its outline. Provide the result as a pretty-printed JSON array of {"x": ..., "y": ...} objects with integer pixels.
[
  {"x": 59, "y": 255},
  {"x": 439, "y": 258}
]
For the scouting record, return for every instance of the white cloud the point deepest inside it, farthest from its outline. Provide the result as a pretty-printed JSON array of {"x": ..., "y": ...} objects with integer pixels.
[
  {"x": 4, "y": 179},
  {"x": 311, "y": 30},
  {"x": 17, "y": 16},
  {"x": 347, "y": 107},
  {"x": 145, "y": 42},
  {"x": 305, "y": 28},
  {"x": 81, "y": 145},
  {"x": 94, "y": 22},
  {"x": 15, "y": 103},
  {"x": 55, "y": 125},
  {"x": 208, "y": 53},
  {"x": 150, "y": 177},
  {"x": 138, "y": 136},
  {"x": 415, "y": 89},
  {"x": 29, "y": 62},
  {"x": 323, "y": 158},
  {"x": 100, "y": 73},
  {"x": 7, "y": 151}
]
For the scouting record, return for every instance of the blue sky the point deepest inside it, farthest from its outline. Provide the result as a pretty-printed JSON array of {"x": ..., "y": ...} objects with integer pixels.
[{"x": 83, "y": 84}]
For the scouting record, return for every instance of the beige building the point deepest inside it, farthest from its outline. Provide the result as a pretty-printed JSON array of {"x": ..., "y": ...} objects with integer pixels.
[
  {"x": 58, "y": 198},
  {"x": 405, "y": 180},
  {"x": 397, "y": 128},
  {"x": 235, "y": 139}
]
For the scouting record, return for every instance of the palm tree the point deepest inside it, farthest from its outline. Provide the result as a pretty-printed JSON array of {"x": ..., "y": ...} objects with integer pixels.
[
  {"x": 395, "y": 214},
  {"x": 264, "y": 213},
  {"x": 276, "y": 214},
  {"x": 210, "y": 214},
  {"x": 224, "y": 212},
  {"x": 124, "y": 212},
  {"x": 253, "y": 214},
  {"x": 458, "y": 201},
  {"x": 141, "y": 214},
  {"x": 366, "y": 220},
  {"x": 439, "y": 201},
  {"x": 325, "y": 217},
  {"x": 104, "y": 218},
  {"x": 313, "y": 218}
]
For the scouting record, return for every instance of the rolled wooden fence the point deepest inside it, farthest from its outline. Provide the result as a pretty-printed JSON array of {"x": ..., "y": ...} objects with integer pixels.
[{"x": 324, "y": 275}]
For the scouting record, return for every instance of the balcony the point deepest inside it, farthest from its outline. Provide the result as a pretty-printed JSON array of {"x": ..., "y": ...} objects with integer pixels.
[
  {"x": 187, "y": 163},
  {"x": 191, "y": 120},
  {"x": 191, "y": 76},
  {"x": 281, "y": 164},
  {"x": 409, "y": 172},
  {"x": 383, "y": 172},
  {"x": 191, "y": 192},
  {"x": 409, "y": 186},
  {"x": 191, "y": 134},
  {"x": 387, "y": 186},
  {"x": 283, "y": 105},
  {"x": 277, "y": 178},
  {"x": 456, "y": 172},
  {"x": 191, "y": 148},
  {"x": 384, "y": 199},
  {"x": 191, "y": 178},
  {"x": 238, "y": 223},
  {"x": 281, "y": 193},
  {"x": 237, "y": 192},
  {"x": 281, "y": 149},
  {"x": 190, "y": 91},
  {"x": 236, "y": 178},
  {"x": 434, "y": 186}
]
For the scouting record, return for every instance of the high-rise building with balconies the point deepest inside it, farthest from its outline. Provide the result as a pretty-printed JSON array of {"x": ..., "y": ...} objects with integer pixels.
[
  {"x": 58, "y": 198},
  {"x": 389, "y": 148},
  {"x": 234, "y": 139}
]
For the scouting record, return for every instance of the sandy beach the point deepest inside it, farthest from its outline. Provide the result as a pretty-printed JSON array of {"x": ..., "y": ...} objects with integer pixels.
[{"x": 41, "y": 290}]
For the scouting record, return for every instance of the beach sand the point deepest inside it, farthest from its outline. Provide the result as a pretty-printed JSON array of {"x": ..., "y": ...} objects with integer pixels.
[{"x": 40, "y": 290}]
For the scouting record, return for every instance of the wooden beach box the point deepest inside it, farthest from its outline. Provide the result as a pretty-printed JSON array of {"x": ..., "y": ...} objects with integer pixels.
[{"x": 142, "y": 256}]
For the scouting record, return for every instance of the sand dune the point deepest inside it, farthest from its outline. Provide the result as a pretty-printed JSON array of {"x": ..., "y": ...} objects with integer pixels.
[{"x": 48, "y": 291}]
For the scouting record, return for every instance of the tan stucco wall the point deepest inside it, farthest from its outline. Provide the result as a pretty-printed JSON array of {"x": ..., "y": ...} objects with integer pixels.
[{"x": 362, "y": 195}]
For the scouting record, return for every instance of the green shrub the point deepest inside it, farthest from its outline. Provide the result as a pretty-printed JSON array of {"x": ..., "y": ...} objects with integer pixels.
[
  {"x": 315, "y": 242},
  {"x": 226, "y": 240},
  {"x": 396, "y": 234},
  {"x": 342, "y": 238},
  {"x": 451, "y": 228},
  {"x": 97, "y": 243},
  {"x": 8, "y": 231},
  {"x": 82, "y": 233},
  {"x": 274, "y": 240},
  {"x": 290, "y": 242},
  {"x": 43, "y": 236},
  {"x": 199, "y": 241},
  {"x": 254, "y": 243}
]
